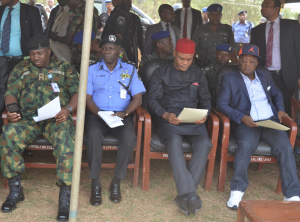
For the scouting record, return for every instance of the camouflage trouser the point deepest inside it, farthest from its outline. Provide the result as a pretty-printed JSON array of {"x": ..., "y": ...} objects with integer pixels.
[{"x": 17, "y": 136}]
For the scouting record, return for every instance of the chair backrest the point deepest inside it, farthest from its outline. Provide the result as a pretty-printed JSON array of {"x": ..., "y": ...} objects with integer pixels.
[{"x": 146, "y": 73}]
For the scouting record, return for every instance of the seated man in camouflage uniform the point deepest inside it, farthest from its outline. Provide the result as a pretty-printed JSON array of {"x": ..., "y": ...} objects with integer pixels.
[
  {"x": 162, "y": 42},
  {"x": 223, "y": 54},
  {"x": 30, "y": 86}
]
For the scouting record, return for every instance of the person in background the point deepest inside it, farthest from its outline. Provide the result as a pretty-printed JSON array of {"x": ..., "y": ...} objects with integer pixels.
[
  {"x": 76, "y": 22},
  {"x": 248, "y": 95},
  {"x": 163, "y": 48},
  {"x": 223, "y": 55},
  {"x": 187, "y": 19},
  {"x": 43, "y": 13},
  {"x": 167, "y": 16},
  {"x": 213, "y": 33},
  {"x": 105, "y": 15},
  {"x": 48, "y": 11},
  {"x": 204, "y": 15},
  {"x": 136, "y": 34},
  {"x": 58, "y": 23},
  {"x": 105, "y": 92},
  {"x": 242, "y": 30},
  {"x": 262, "y": 20},
  {"x": 51, "y": 4},
  {"x": 278, "y": 41},
  {"x": 172, "y": 88}
]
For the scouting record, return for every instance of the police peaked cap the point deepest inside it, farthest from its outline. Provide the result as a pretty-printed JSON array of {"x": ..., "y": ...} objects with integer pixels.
[
  {"x": 204, "y": 9},
  {"x": 160, "y": 35},
  {"x": 242, "y": 12},
  {"x": 224, "y": 47},
  {"x": 215, "y": 8},
  {"x": 110, "y": 39},
  {"x": 37, "y": 42}
]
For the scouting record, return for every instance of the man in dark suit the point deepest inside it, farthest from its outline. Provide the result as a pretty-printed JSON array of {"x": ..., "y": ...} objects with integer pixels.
[
  {"x": 278, "y": 41},
  {"x": 187, "y": 19},
  {"x": 248, "y": 95},
  {"x": 25, "y": 22},
  {"x": 167, "y": 16}
]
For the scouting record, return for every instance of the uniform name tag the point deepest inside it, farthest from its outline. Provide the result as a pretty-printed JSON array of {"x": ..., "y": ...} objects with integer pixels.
[
  {"x": 123, "y": 93},
  {"x": 55, "y": 87}
]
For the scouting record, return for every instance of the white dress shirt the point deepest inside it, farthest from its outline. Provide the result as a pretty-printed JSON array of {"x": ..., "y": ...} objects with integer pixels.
[
  {"x": 276, "y": 57},
  {"x": 189, "y": 22},
  {"x": 172, "y": 33}
]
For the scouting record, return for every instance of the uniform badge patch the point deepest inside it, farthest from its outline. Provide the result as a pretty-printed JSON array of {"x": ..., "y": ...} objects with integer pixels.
[
  {"x": 71, "y": 16},
  {"x": 112, "y": 38},
  {"x": 121, "y": 20}
]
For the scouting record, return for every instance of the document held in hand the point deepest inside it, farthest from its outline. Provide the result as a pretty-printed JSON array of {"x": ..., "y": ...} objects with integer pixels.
[
  {"x": 273, "y": 125},
  {"x": 190, "y": 115},
  {"x": 48, "y": 111},
  {"x": 111, "y": 121}
]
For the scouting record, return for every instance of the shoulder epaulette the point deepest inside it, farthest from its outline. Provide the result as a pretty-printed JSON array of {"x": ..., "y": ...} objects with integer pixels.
[
  {"x": 128, "y": 62},
  {"x": 93, "y": 62}
]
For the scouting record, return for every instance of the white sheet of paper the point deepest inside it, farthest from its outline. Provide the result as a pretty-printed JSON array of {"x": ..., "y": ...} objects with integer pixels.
[
  {"x": 112, "y": 121},
  {"x": 190, "y": 115},
  {"x": 48, "y": 111},
  {"x": 273, "y": 125}
]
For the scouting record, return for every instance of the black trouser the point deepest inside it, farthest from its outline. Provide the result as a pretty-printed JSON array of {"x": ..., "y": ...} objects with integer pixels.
[
  {"x": 286, "y": 92},
  {"x": 95, "y": 131},
  {"x": 188, "y": 178}
]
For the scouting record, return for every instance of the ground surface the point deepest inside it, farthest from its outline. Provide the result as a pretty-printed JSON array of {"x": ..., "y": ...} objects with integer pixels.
[{"x": 41, "y": 195}]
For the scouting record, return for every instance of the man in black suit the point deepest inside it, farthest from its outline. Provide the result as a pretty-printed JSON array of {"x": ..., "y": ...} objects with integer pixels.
[
  {"x": 167, "y": 16},
  {"x": 278, "y": 41},
  {"x": 187, "y": 19},
  {"x": 25, "y": 23}
]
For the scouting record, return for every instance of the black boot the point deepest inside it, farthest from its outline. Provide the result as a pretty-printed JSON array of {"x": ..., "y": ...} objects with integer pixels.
[
  {"x": 64, "y": 203},
  {"x": 15, "y": 194}
]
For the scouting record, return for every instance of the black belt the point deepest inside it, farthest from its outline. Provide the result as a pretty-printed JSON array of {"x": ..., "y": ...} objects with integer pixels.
[
  {"x": 240, "y": 44},
  {"x": 13, "y": 57},
  {"x": 276, "y": 72}
]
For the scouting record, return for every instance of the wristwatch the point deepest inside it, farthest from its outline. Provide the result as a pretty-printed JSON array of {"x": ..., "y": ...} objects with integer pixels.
[
  {"x": 70, "y": 109},
  {"x": 126, "y": 113}
]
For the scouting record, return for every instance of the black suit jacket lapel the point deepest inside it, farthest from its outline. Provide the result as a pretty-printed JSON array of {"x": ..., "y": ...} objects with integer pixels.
[
  {"x": 242, "y": 83},
  {"x": 23, "y": 20},
  {"x": 282, "y": 33},
  {"x": 2, "y": 8}
]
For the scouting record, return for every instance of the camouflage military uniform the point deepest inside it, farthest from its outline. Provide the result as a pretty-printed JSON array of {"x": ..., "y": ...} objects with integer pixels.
[
  {"x": 32, "y": 92},
  {"x": 206, "y": 41},
  {"x": 76, "y": 21},
  {"x": 150, "y": 57}
]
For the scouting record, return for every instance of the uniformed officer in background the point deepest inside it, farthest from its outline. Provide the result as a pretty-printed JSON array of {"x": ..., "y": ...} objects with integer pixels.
[
  {"x": 113, "y": 85},
  {"x": 242, "y": 30},
  {"x": 32, "y": 84},
  {"x": 223, "y": 55},
  {"x": 163, "y": 47},
  {"x": 119, "y": 23},
  {"x": 76, "y": 22},
  {"x": 213, "y": 33},
  {"x": 105, "y": 15},
  {"x": 204, "y": 15},
  {"x": 43, "y": 13}
]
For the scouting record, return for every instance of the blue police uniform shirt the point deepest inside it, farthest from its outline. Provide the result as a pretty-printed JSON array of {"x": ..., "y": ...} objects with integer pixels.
[
  {"x": 15, "y": 31},
  {"x": 104, "y": 87},
  {"x": 242, "y": 32}
]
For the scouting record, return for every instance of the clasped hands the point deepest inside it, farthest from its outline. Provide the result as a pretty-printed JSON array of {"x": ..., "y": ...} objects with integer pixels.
[{"x": 172, "y": 119}]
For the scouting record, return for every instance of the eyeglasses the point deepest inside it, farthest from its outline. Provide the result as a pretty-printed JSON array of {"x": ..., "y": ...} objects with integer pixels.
[{"x": 252, "y": 62}]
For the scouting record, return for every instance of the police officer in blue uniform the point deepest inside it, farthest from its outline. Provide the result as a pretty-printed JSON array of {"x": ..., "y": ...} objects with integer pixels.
[
  {"x": 242, "y": 30},
  {"x": 113, "y": 85}
]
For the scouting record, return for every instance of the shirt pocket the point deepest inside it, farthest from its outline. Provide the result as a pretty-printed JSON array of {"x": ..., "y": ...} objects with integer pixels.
[
  {"x": 223, "y": 38},
  {"x": 100, "y": 82},
  {"x": 193, "y": 92}
]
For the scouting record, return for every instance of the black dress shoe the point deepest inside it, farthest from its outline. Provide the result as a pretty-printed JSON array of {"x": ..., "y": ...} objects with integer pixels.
[
  {"x": 115, "y": 193},
  {"x": 15, "y": 194},
  {"x": 182, "y": 204},
  {"x": 194, "y": 204},
  {"x": 96, "y": 198},
  {"x": 64, "y": 203}
]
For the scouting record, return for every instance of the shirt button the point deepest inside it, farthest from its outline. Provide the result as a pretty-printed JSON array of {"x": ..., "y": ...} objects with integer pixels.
[
  {"x": 111, "y": 76},
  {"x": 110, "y": 87},
  {"x": 109, "y": 96},
  {"x": 99, "y": 83}
]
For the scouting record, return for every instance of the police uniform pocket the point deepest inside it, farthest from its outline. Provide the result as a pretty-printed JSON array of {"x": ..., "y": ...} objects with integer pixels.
[{"x": 193, "y": 92}]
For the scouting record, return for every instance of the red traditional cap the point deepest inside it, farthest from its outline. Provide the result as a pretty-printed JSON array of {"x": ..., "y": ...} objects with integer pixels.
[{"x": 185, "y": 46}]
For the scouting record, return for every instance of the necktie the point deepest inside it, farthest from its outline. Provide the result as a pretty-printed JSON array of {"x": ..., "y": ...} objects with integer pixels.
[
  {"x": 6, "y": 32},
  {"x": 270, "y": 46},
  {"x": 185, "y": 24},
  {"x": 167, "y": 25}
]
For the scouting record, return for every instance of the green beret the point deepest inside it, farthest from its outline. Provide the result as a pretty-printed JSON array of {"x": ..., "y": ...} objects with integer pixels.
[{"x": 37, "y": 42}]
